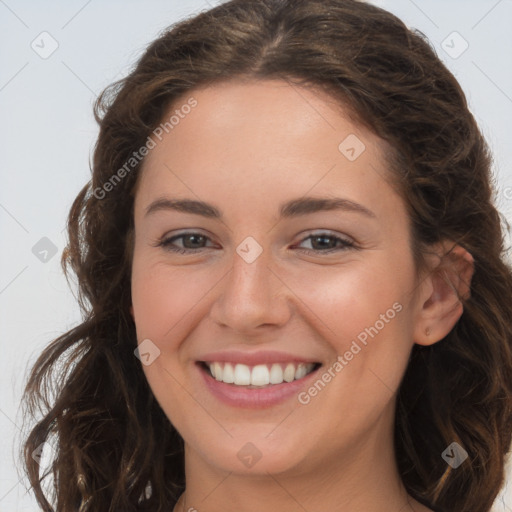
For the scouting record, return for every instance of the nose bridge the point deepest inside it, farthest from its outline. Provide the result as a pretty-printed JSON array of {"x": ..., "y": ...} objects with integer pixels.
[{"x": 251, "y": 294}]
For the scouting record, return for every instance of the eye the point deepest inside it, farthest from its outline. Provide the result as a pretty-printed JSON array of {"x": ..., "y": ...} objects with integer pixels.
[
  {"x": 327, "y": 243},
  {"x": 189, "y": 239}
]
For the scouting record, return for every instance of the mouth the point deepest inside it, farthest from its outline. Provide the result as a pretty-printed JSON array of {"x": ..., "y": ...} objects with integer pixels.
[
  {"x": 258, "y": 376},
  {"x": 259, "y": 386}
]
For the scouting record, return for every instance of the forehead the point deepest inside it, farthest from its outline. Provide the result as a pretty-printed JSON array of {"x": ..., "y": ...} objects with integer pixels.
[{"x": 263, "y": 141}]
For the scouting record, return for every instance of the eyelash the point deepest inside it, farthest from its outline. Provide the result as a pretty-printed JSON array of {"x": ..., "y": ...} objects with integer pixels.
[{"x": 166, "y": 244}]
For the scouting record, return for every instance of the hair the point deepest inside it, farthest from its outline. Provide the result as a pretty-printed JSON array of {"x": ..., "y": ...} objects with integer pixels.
[{"x": 115, "y": 449}]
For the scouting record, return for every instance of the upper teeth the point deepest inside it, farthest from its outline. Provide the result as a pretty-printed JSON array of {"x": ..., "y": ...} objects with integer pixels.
[{"x": 259, "y": 375}]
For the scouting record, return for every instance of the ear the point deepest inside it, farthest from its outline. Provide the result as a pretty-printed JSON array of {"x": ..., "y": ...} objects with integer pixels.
[{"x": 440, "y": 293}]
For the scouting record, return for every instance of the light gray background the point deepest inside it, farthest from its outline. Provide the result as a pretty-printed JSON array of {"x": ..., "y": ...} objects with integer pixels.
[{"x": 48, "y": 132}]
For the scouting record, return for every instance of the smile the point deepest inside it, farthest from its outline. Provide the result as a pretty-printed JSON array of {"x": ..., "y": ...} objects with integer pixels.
[
  {"x": 257, "y": 386},
  {"x": 260, "y": 375}
]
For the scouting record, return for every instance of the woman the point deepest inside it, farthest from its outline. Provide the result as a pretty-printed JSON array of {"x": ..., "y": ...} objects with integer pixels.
[{"x": 340, "y": 336}]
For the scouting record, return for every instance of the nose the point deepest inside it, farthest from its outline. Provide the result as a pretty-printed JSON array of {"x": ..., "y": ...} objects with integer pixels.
[{"x": 251, "y": 296}]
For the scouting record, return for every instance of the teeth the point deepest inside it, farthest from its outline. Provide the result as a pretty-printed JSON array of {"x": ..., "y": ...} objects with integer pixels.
[
  {"x": 300, "y": 372},
  {"x": 259, "y": 375},
  {"x": 276, "y": 374},
  {"x": 228, "y": 375},
  {"x": 217, "y": 371},
  {"x": 289, "y": 372},
  {"x": 242, "y": 375}
]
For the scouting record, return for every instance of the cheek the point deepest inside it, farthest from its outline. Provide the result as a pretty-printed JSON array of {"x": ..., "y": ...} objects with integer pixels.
[
  {"x": 365, "y": 317},
  {"x": 349, "y": 303},
  {"x": 162, "y": 298}
]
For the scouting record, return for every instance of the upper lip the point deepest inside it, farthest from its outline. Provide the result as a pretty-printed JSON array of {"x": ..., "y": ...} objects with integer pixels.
[{"x": 255, "y": 358}]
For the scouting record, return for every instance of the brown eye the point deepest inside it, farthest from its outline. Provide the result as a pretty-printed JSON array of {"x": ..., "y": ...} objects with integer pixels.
[
  {"x": 192, "y": 242},
  {"x": 326, "y": 243}
]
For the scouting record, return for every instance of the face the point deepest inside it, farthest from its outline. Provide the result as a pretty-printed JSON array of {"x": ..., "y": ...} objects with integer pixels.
[{"x": 265, "y": 278}]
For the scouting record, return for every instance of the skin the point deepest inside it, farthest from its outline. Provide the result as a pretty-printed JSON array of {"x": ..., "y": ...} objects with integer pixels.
[{"x": 247, "y": 147}]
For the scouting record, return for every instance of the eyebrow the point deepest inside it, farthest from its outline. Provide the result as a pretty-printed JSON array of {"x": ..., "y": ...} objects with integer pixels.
[{"x": 293, "y": 208}]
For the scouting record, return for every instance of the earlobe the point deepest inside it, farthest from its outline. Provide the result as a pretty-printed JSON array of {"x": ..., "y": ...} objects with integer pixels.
[{"x": 447, "y": 285}]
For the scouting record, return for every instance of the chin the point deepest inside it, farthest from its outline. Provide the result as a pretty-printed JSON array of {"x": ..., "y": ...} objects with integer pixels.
[{"x": 253, "y": 454}]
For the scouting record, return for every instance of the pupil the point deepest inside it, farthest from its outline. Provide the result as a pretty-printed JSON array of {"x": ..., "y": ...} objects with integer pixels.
[
  {"x": 324, "y": 238},
  {"x": 196, "y": 237}
]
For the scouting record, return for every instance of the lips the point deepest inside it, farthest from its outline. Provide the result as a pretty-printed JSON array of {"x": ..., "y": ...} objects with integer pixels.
[{"x": 256, "y": 380}]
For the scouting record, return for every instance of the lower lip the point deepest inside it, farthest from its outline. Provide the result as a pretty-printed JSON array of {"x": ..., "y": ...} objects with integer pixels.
[{"x": 253, "y": 398}]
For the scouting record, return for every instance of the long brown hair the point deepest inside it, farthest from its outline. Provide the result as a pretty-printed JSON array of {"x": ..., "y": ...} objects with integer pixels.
[{"x": 115, "y": 448}]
